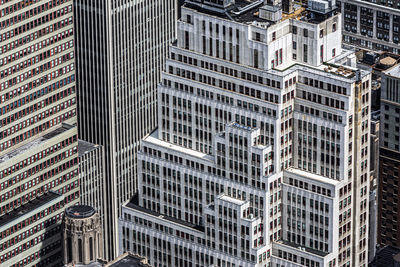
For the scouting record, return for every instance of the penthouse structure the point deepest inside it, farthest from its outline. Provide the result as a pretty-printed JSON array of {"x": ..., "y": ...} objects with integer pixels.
[
  {"x": 261, "y": 156},
  {"x": 38, "y": 144}
]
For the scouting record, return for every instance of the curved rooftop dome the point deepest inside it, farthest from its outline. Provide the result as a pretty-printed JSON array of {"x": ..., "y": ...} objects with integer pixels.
[{"x": 80, "y": 211}]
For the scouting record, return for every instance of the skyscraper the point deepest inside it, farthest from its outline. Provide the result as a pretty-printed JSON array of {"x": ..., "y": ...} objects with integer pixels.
[
  {"x": 389, "y": 159},
  {"x": 261, "y": 155},
  {"x": 121, "y": 46},
  {"x": 38, "y": 142}
]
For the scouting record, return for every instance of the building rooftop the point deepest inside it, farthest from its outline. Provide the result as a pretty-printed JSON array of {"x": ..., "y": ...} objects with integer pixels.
[
  {"x": 240, "y": 126},
  {"x": 304, "y": 249},
  {"x": 85, "y": 147},
  {"x": 312, "y": 176},
  {"x": 128, "y": 260},
  {"x": 32, "y": 207},
  {"x": 241, "y": 11},
  {"x": 394, "y": 71},
  {"x": 153, "y": 138},
  {"x": 34, "y": 143},
  {"x": 248, "y": 11},
  {"x": 134, "y": 204},
  {"x": 385, "y": 257},
  {"x": 80, "y": 211},
  {"x": 232, "y": 200}
]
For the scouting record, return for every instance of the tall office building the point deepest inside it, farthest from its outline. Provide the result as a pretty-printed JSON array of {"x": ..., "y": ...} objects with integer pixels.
[
  {"x": 38, "y": 144},
  {"x": 261, "y": 155},
  {"x": 389, "y": 159},
  {"x": 120, "y": 46},
  {"x": 372, "y": 24},
  {"x": 92, "y": 182}
]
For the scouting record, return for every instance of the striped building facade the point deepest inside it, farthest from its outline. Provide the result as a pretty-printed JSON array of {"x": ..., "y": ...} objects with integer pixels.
[{"x": 121, "y": 46}]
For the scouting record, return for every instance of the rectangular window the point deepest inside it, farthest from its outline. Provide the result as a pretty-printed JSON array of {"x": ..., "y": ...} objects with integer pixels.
[
  {"x": 255, "y": 58},
  {"x": 322, "y": 53},
  {"x": 305, "y": 53}
]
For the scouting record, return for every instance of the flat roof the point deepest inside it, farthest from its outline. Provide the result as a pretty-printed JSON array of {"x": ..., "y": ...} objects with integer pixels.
[
  {"x": 243, "y": 11},
  {"x": 133, "y": 204},
  {"x": 384, "y": 257},
  {"x": 313, "y": 176},
  {"x": 303, "y": 249},
  {"x": 394, "y": 71},
  {"x": 32, "y": 207},
  {"x": 85, "y": 147},
  {"x": 34, "y": 143},
  {"x": 153, "y": 139},
  {"x": 232, "y": 200}
]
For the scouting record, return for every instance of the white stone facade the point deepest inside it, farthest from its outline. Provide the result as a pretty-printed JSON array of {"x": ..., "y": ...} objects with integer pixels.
[{"x": 260, "y": 158}]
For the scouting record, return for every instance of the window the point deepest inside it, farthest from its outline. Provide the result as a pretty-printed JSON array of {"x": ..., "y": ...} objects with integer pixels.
[
  {"x": 321, "y": 33},
  {"x": 305, "y": 53},
  {"x": 273, "y": 36},
  {"x": 334, "y": 27},
  {"x": 255, "y": 58},
  {"x": 305, "y": 32},
  {"x": 333, "y": 52}
]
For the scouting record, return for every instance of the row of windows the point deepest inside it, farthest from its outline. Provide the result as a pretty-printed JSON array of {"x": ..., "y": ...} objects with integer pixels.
[
  {"x": 17, "y": 6},
  {"x": 41, "y": 256},
  {"x": 19, "y": 226},
  {"x": 36, "y": 83},
  {"x": 33, "y": 120},
  {"x": 33, "y": 12},
  {"x": 38, "y": 129},
  {"x": 313, "y": 188},
  {"x": 228, "y": 71},
  {"x": 41, "y": 57},
  {"x": 325, "y": 115},
  {"x": 36, "y": 23},
  {"x": 33, "y": 108},
  {"x": 42, "y": 166},
  {"x": 48, "y": 233},
  {"x": 38, "y": 46},
  {"x": 38, "y": 34},
  {"x": 293, "y": 257},
  {"x": 303, "y": 200},
  {"x": 40, "y": 69},
  {"x": 31, "y": 97},
  {"x": 7, "y": 207},
  {"x": 23, "y": 164}
]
